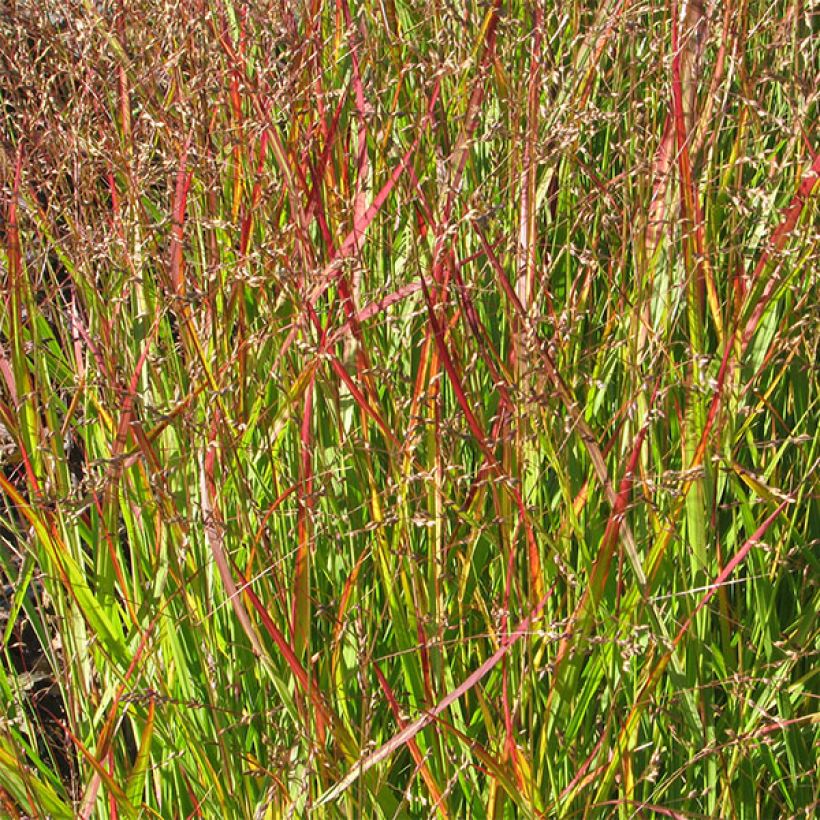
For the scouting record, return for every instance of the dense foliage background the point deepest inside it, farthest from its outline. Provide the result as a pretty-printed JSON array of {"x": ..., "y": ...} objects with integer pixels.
[{"x": 409, "y": 408}]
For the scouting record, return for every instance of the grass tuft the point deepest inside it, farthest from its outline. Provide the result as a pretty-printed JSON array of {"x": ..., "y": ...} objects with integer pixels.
[{"x": 408, "y": 409}]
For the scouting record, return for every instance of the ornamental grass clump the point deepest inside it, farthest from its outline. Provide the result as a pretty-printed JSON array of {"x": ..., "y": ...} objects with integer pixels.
[{"x": 408, "y": 409}]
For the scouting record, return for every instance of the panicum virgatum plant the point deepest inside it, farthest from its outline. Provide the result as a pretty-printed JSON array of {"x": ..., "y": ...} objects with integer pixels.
[{"x": 409, "y": 409}]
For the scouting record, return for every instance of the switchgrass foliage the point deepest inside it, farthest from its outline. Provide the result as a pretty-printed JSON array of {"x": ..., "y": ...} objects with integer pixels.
[{"x": 409, "y": 409}]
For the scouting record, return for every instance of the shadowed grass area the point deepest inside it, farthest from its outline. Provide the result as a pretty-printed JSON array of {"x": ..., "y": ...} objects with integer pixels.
[{"x": 408, "y": 409}]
